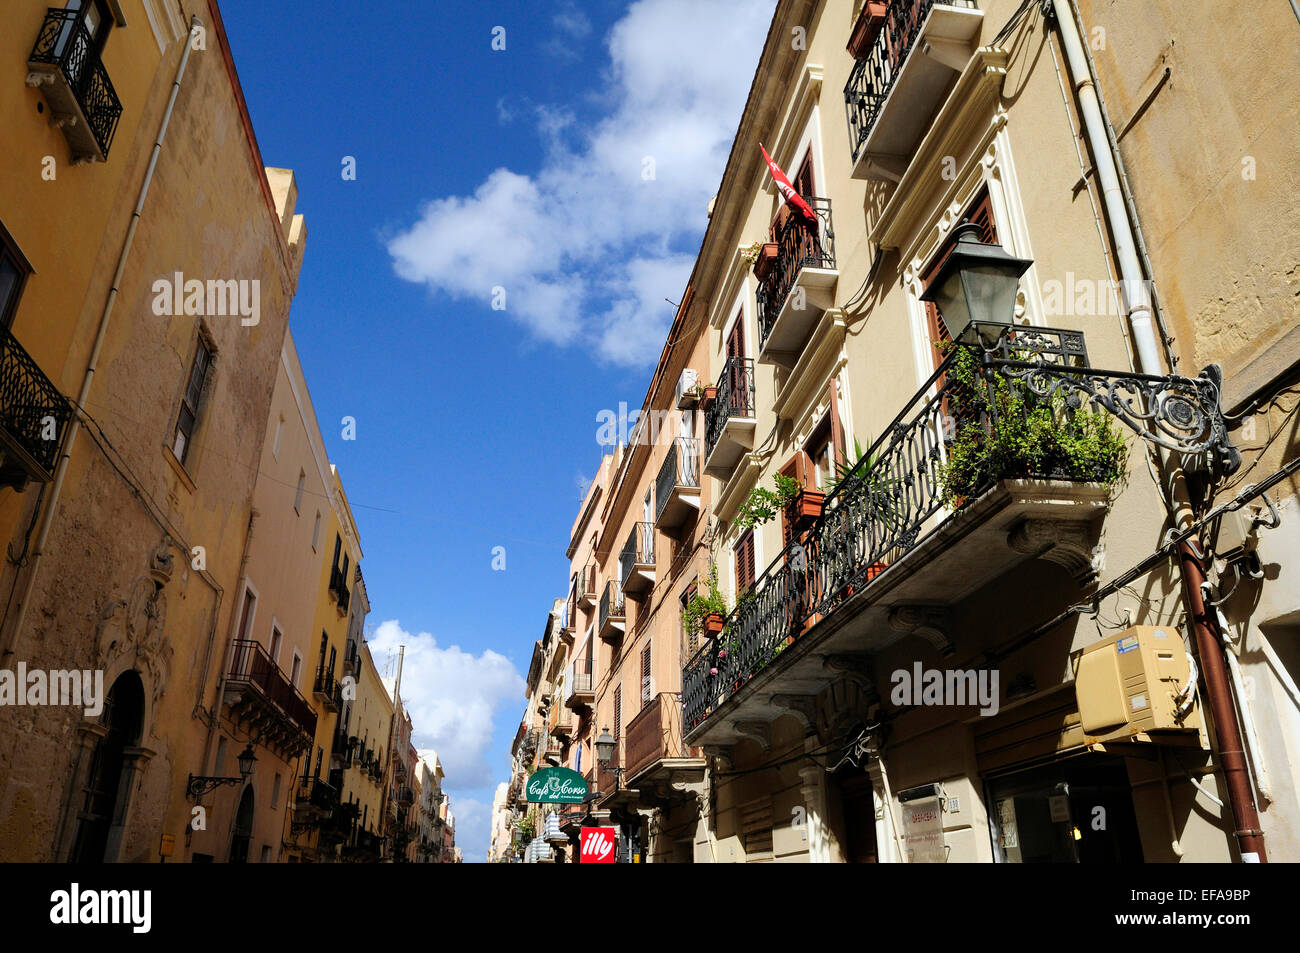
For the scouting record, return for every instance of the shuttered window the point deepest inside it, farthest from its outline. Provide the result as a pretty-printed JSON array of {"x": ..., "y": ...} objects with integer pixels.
[
  {"x": 645, "y": 675},
  {"x": 756, "y": 830},
  {"x": 188, "y": 417},
  {"x": 744, "y": 551},
  {"x": 618, "y": 712},
  {"x": 690, "y": 639}
]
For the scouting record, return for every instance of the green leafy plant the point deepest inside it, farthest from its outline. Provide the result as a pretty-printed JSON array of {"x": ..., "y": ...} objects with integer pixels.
[
  {"x": 699, "y": 607},
  {"x": 1003, "y": 430},
  {"x": 750, "y": 253},
  {"x": 763, "y": 504}
]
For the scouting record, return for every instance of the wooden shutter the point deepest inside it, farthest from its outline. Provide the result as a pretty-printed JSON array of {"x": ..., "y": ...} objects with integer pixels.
[
  {"x": 736, "y": 339},
  {"x": 618, "y": 713},
  {"x": 645, "y": 675},
  {"x": 691, "y": 639},
  {"x": 744, "y": 551},
  {"x": 756, "y": 830},
  {"x": 980, "y": 213}
]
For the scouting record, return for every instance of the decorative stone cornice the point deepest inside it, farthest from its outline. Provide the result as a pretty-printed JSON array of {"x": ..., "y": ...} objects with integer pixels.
[
  {"x": 929, "y": 622},
  {"x": 1064, "y": 542}
]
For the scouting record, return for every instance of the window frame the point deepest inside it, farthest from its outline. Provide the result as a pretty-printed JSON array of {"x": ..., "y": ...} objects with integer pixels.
[
  {"x": 9, "y": 251},
  {"x": 203, "y": 345}
]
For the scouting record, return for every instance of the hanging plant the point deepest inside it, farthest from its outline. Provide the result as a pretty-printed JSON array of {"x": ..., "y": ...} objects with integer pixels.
[
  {"x": 763, "y": 504},
  {"x": 704, "y": 614}
]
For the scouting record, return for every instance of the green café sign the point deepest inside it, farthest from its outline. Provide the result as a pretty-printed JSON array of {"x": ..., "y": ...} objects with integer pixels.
[{"x": 556, "y": 786}]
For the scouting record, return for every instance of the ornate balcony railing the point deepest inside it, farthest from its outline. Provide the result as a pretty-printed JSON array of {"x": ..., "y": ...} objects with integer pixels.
[
  {"x": 639, "y": 550},
  {"x": 64, "y": 42},
  {"x": 801, "y": 244},
  {"x": 681, "y": 467},
  {"x": 339, "y": 588},
  {"x": 251, "y": 665},
  {"x": 895, "y": 497},
  {"x": 328, "y": 689},
  {"x": 874, "y": 75},
  {"x": 29, "y": 404},
  {"x": 317, "y": 794},
  {"x": 735, "y": 399}
]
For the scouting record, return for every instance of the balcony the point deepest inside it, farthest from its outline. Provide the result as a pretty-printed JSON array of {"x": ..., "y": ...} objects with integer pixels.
[
  {"x": 729, "y": 420},
  {"x": 611, "y": 621},
  {"x": 909, "y": 534},
  {"x": 327, "y": 690},
  {"x": 67, "y": 69},
  {"x": 316, "y": 800},
  {"x": 33, "y": 417},
  {"x": 800, "y": 286},
  {"x": 612, "y": 791},
  {"x": 339, "y": 590},
  {"x": 677, "y": 489},
  {"x": 895, "y": 89},
  {"x": 585, "y": 591},
  {"x": 405, "y": 796},
  {"x": 560, "y": 722},
  {"x": 258, "y": 694},
  {"x": 655, "y": 750},
  {"x": 579, "y": 687},
  {"x": 636, "y": 563}
]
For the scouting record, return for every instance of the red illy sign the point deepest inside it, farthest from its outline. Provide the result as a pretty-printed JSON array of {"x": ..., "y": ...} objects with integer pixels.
[{"x": 597, "y": 845}]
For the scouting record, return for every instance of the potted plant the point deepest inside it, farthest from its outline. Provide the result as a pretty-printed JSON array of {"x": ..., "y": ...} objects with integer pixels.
[
  {"x": 763, "y": 504},
  {"x": 705, "y": 615},
  {"x": 806, "y": 506},
  {"x": 708, "y": 394},
  {"x": 1006, "y": 431},
  {"x": 761, "y": 256},
  {"x": 866, "y": 27}
]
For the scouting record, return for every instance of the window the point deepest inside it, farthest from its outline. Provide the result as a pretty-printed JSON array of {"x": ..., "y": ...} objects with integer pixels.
[
  {"x": 618, "y": 713},
  {"x": 744, "y": 552},
  {"x": 279, "y": 435},
  {"x": 645, "y": 676},
  {"x": 320, "y": 756},
  {"x": 821, "y": 452},
  {"x": 188, "y": 418},
  {"x": 221, "y": 757},
  {"x": 315, "y": 533},
  {"x": 275, "y": 791},
  {"x": 295, "y": 670},
  {"x": 302, "y": 488},
  {"x": 276, "y": 639},
  {"x": 246, "y": 615},
  {"x": 690, "y": 639},
  {"x": 14, "y": 270},
  {"x": 756, "y": 830}
]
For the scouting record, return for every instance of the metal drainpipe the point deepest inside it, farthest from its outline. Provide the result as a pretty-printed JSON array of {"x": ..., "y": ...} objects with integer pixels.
[
  {"x": 47, "y": 518},
  {"x": 1209, "y": 643}
]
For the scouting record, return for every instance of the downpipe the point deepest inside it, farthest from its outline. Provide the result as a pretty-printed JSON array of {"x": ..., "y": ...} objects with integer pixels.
[{"x": 70, "y": 439}]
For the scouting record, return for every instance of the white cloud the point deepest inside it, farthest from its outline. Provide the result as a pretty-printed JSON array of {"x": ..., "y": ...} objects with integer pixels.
[
  {"x": 588, "y": 247},
  {"x": 452, "y": 696}
]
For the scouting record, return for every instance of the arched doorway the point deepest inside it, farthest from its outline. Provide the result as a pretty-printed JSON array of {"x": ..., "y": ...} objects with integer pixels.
[
  {"x": 243, "y": 828},
  {"x": 102, "y": 801}
]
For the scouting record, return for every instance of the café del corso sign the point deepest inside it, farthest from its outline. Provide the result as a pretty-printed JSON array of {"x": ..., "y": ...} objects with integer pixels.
[{"x": 556, "y": 786}]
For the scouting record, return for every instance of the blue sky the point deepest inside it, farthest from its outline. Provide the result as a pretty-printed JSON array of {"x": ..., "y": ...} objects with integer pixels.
[{"x": 572, "y": 171}]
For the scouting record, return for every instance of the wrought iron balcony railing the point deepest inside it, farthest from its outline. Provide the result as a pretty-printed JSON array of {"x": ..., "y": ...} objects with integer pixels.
[
  {"x": 251, "y": 665},
  {"x": 317, "y": 794},
  {"x": 639, "y": 550},
  {"x": 328, "y": 689},
  {"x": 681, "y": 468},
  {"x": 895, "y": 497},
  {"x": 873, "y": 76},
  {"x": 31, "y": 410},
  {"x": 735, "y": 399},
  {"x": 64, "y": 44},
  {"x": 611, "y": 604},
  {"x": 801, "y": 244},
  {"x": 579, "y": 682},
  {"x": 339, "y": 589}
]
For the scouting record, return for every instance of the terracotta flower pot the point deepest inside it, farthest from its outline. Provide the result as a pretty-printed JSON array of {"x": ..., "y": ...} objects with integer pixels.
[
  {"x": 805, "y": 508},
  {"x": 713, "y": 623},
  {"x": 710, "y": 395},
  {"x": 766, "y": 260},
  {"x": 867, "y": 27}
]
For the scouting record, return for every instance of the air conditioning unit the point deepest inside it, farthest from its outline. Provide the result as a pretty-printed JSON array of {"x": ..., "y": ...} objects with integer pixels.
[
  {"x": 685, "y": 386},
  {"x": 1137, "y": 686}
]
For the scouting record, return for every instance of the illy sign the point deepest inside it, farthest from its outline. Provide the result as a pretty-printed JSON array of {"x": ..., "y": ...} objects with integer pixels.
[
  {"x": 556, "y": 786},
  {"x": 597, "y": 845}
]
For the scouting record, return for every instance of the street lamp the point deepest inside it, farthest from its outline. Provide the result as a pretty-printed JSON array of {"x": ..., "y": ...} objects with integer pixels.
[
  {"x": 976, "y": 285},
  {"x": 197, "y": 786}
]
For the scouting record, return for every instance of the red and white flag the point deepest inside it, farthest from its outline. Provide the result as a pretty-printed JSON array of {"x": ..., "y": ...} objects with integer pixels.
[{"x": 792, "y": 198}]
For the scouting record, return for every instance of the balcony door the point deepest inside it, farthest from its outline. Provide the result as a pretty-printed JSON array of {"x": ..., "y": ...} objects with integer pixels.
[
  {"x": 737, "y": 395},
  {"x": 94, "y": 17}
]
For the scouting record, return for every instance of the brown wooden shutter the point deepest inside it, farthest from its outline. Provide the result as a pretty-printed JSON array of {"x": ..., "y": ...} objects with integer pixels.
[
  {"x": 736, "y": 339},
  {"x": 744, "y": 551},
  {"x": 645, "y": 675},
  {"x": 756, "y": 830},
  {"x": 618, "y": 713}
]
